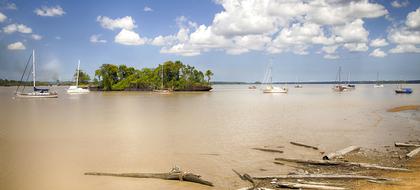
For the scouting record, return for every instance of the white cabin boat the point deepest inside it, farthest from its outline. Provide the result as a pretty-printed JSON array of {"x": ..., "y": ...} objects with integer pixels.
[{"x": 76, "y": 89}]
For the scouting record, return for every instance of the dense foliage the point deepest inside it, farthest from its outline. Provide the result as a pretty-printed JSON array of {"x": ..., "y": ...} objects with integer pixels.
[
  {"x": 83, "y": 77},
  {"x": 176, "y": 76}
]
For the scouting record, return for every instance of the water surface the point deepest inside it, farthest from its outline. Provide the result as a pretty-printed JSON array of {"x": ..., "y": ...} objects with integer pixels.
[{"x": 50, "y": 143}]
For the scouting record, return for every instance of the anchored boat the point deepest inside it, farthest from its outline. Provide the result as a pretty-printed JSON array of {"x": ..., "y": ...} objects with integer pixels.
[
  {"x": 37, "y": 92},
  {"x": 269, "y": 88},
  {"x": 76, "y": 89}
]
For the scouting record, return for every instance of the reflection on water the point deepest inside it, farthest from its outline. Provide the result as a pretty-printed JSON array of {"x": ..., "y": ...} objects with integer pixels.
[{"x": 50, "y": 143}]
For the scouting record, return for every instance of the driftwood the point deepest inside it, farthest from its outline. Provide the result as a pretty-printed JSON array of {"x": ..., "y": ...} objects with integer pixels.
[
  {"x": 304, "y": 145},
  {"x": 323, "y": 176},
  {"x": 174, "y": 174},
  {"x": 340, "y": 152},
  {"x": 306, "y": 186},
  {"x": 340, "y": 163},
  {"x": 268, "y": 150},
  {"x": 413, "y": 153},
  {"x": 397, "y": 144}
]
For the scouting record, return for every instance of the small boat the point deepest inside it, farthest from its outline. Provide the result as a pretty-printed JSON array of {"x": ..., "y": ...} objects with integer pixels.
[
  {"x": 269, "y": 88},
  {"x": 162, "y": 90},
  {"x": 403, "y": 90},
  {"x": 252, "y": 87},
  {"x": 37, "y": 92},
  {"x": 340, "y": 87},
  {"x": 76, "y": 89},
  {"x": 350, "y": 86},
  {"x": 377, "y": 84},
  {"x": 298, "y": 85}
]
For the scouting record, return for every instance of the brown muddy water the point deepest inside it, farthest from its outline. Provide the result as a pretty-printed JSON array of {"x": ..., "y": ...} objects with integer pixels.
[{"x": 49, "y": 143}]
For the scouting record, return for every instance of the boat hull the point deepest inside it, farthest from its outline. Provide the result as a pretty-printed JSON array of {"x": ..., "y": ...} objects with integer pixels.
[
  {"x": 404, "y": 91},
  {"x": 37, "y": 95}
]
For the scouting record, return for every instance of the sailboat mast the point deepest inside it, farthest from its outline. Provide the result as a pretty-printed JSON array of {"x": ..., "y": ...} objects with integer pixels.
[
  {"x": 162, "y": 78},
  {"x": 78, "y": 71},
  {"x": 33, "y": 67},
  {"x": 339, "y": 75}
]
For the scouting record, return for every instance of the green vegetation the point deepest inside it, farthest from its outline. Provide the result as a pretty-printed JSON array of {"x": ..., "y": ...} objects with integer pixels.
[
  {"x": 176, "y": 76},
  {"x": 83, "y": 77}
]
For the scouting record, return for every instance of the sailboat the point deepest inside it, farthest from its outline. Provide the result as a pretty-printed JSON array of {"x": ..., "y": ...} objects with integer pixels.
[
  {"x": 269, "y": 88},
  {"x": 403, "y": 90},
  {"x": 37, "y": 92},
  {"x": 350, "y": 86},
  {"x": 298, "y": 85},
  {"x": 76, "y": 89},
  {"x": 339, "y": 87},
  {"x": 162, "y": 90},
  {"x": 377, "y": 84}
]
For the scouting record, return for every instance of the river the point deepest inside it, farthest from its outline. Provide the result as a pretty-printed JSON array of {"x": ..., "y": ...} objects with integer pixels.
[{"x": 49, "y": 143}]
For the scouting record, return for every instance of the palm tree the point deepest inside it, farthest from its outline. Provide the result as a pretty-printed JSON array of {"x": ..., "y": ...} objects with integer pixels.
[{"x": 209, "y": 74}]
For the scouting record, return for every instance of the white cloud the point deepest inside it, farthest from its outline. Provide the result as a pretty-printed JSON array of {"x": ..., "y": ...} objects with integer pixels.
[
  {"x": 11, "y": 28},
  {"x": 36, "y": 37},
  {"x": 331, "y": 56},
  {"x": 405, "y": 48},
  {"x": 16, "y": 46},
  {"x": 128, "y": 37},
  {"x": 276, "y": 27},
  {"x": 126, "y": 22},
  {"x": 147, "y": 9},
  {"x": 58, "y": 37},
  {"x": 377, "y": 53},
  {"x": 10, "y": 6},
  {"x": 96, "y": 39},
  {"x": 2, "y": 17},
  {"x": 352, "y": 32},
  {"x": 413, "y": 19},
  {"x": 356, "y": 47},
  {"x": 379, "y": 42},
  {"x": 50, "y": 11},
  {"x": 398, "y": 4},
  {"x": 330, "y": 49}
]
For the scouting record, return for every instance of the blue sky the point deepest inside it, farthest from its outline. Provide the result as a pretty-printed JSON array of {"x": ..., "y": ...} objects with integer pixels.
[{"x": 235, "y": 39}]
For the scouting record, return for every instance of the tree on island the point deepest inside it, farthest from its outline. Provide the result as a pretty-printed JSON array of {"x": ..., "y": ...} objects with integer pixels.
[
  {"x": 209, "y": 74},
  {"x": 176, "y": 76},
  {"x": 84, "y": 78}
]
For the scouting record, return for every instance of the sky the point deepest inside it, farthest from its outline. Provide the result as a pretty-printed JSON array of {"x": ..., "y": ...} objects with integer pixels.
[{"x": 303, "y": 39}]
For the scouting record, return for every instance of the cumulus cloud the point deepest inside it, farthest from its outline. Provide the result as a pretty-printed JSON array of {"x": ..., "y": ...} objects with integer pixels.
[
  {"x": 36, "y": 37},
  {"x": 405, "y": 48},
  {"x": 399, "y": 4},
  {"x": 379, "y": 42},
  {"x": 96, "y": 39},
  {"x": 377, "y": 53},
  {"x": 16, "y": 46},
  {"x": 276, "y": 27},
  {"x": 407, "y": 36},
  {"x": 2, "y": 17},
  {"x": 11, "y": 28},
  {"x": 147, "y": 9},
  {"x": 126, "y": 22},
  {"x": 128, "y": 37},
  {"x": 413, "y": 19},
  {"x": 50, "y": 11}
]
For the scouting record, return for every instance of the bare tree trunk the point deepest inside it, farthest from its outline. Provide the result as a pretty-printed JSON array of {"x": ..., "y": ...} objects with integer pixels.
[
  {"x": 307, "y": 186},
  {"x": 340, "y": 163},
  {"x": 268, "y": 150},
  {"x": 304, "y": 145},
  {"x": 413, "y": 153},
  {"x": 323, "y": 176},
  {"x": 340, "y": 152},
  {"x": 397, "y": 144}
]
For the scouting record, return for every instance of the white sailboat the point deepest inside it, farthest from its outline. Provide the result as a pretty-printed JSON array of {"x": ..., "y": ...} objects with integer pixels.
[
  {"x": 162, "y": 89},
  {"x": 377, "y": 84},
  {"x": 339, "y": 87},
  {"x": 37, "y": 92},
  {"x": 76, "y": 89},
  {"x": 269, "y": 88}
]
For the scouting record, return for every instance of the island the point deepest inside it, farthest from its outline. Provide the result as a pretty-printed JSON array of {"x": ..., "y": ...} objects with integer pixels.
[{"x": 170, "y": 75}]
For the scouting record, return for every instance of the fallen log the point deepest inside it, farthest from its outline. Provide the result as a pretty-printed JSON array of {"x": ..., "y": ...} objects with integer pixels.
[
  {"x": 306, "y": 186},
  {"x": 174, "y": 174},
  {"x": 268, "y": 150},
  {"x": 340, "y": 152},
  {"x": 304, "y": 145},
  {"x": 413, "y": 153},
  {"x": 397, "y": 144},
  {"x": 340, "y": 163},
  {"x": 323, "y": 176}
]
